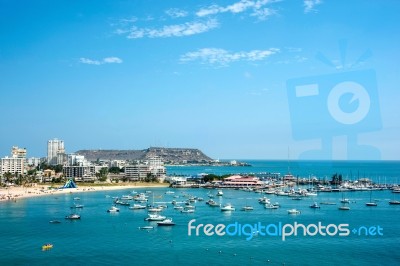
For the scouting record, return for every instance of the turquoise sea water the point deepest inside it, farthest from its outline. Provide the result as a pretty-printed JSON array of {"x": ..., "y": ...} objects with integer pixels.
[{"x": 101, "y": 238}]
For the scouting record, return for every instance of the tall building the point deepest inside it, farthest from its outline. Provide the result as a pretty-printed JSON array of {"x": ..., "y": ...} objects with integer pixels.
[
  {"x": 55, "y": 151},
  {"x": 15, "y": 164}
]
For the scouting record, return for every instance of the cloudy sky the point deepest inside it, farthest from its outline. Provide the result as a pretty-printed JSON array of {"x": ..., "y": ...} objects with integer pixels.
[{"x": 243, "y": 79}]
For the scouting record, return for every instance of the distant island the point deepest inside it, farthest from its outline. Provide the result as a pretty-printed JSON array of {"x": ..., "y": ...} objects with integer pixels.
[{"x": 170, "y": 156}]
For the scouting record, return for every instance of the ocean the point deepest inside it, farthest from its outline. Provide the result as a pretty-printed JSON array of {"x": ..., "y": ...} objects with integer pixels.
[{"x": 102, "y": 238}]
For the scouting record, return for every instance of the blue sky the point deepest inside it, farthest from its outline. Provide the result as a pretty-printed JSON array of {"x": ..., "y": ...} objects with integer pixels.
[{"x": 211, "y": 75}]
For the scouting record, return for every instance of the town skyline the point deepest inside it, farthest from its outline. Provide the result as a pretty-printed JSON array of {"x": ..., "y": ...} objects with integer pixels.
[{"x": 225, "y": 77}]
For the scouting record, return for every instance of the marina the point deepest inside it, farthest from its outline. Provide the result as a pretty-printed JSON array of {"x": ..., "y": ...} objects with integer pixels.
[{"x": 129, "y": 230}]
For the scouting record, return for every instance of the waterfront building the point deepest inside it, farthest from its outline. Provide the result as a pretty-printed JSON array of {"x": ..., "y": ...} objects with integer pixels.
[
  {"x": 55, "y": 152},
  {"x": 156, "y": 167},
  {"x": 136, "y": 172},
  {"x": 79, "y": 173},
  {"x": 77, "y": 160},
  {"x": 16, "y": 164},
  {"x": 242, "y": 181}
]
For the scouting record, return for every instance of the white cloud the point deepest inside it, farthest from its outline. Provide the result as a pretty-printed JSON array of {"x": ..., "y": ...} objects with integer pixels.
[
  {"x": 106, "y": 60},
  {"x": 310, "y": 4},
  {"x": 111, "y": 60},
  {"x": 243, "y": 5},
  {"x": 176, "y": 13},
  {"x": 177, "y": 30},
  {"x": 221, "y": 57}
]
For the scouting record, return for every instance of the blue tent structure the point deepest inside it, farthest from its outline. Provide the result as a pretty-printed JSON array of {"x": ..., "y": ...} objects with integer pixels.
[{"x": 69, "y": 184}]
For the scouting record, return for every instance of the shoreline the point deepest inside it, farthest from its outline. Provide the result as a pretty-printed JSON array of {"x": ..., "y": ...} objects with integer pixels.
[{"x": 19, "y": 192}]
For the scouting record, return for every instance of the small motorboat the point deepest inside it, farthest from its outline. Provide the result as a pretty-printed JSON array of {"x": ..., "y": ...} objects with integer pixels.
[
  {"x": 315, "y": 206},
  {"x": 271, "y": 206},
  {"x": 47, "y": 247},
  {"x": 394, "y": 202},
  {"x": 344, "y": 208},
  {"x": 227, "y": 207},
  {"x": 220, "y": 193},
  {"x": 371, "y": 204},
  {"x": 113, "y": 209},
  {"x": 328, "y": 203},
  {"x": 77, "y": 206},
  {"x": 76, "y": 198},
  {"x": 138, "y": 207},
  {"x": 54, "y": 222},
  {"x": 146, "y": 227},
  {"x": 187, "y": 211},
  {"x": 293, "y": 211},
  {"x": 155, "y": 217},
  {"x": 73, "y": 216},
  {"x": 247, "y": 208},
  {"x": 166, "y": 222}
]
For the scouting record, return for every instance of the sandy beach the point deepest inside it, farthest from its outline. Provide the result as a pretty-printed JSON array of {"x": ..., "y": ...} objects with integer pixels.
[{"x": 17, "y": 192}]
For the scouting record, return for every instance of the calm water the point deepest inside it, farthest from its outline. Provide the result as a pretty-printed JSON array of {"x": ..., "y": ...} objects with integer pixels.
[{"x": 101, "y": 238}]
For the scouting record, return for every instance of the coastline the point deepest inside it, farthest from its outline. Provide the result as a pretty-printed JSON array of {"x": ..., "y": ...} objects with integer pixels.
[{"x": 18, "y": 192}]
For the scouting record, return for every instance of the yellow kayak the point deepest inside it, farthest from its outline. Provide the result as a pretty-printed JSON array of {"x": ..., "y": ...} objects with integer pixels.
[{"x": 47, "y": 247}]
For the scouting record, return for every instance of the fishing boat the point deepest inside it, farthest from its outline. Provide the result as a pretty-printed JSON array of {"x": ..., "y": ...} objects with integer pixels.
[
  {"x": 73, "y": 217},
  {"x": 166, "y": 222},
  {"x": 293, "y": 211},
  {"x": 47, "y": 246}
]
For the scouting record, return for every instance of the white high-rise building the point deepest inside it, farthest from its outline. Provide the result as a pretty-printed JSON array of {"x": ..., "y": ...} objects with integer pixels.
[
  {"x": 15, "y": 164},
  {"x": 55, "y": 147}
]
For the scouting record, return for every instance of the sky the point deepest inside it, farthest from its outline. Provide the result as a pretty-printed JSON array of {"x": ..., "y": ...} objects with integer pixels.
[{"x": 239, "y": 79}]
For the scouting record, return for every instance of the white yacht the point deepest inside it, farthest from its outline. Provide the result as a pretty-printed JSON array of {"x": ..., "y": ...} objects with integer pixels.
[
  {"x": 138, "y": 207},
  {"x": 271, "y": 206},
  {"x": 155, "y": 217},
  {"x": 113, "y": 209},
  {"x": 166, "y": 222},
  {"x": 227, "y": 207},
  {"x": 73, "y": 217}
]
